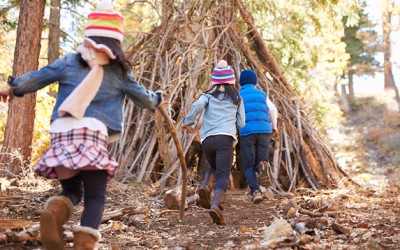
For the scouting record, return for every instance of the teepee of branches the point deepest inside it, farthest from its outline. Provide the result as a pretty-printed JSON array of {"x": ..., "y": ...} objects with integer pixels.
[{"x": 177, "y": 58}]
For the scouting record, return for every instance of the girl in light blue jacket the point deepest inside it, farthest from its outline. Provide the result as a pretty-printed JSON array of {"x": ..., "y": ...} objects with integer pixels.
[{"x": 224, "y": 114}]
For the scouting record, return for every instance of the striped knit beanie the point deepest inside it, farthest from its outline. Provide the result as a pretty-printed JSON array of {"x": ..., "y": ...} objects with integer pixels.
[
  {"x": 223, "y": 74},
  {"x": 105, "y": 22}
]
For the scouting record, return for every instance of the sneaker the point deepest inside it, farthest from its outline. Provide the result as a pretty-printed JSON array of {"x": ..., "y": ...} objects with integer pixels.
[
  {"x": 257, "y": 198},
  {"x": 264, "y": 174}
]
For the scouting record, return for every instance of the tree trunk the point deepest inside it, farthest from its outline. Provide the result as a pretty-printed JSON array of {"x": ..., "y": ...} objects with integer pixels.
[
  {"x": 345, "y": 100},
  {"x": 54, "y": 37},
  {"x": 387, "y": 44},
  {"x": 21, "y": 112},
  {"x": 54, "y": 32},
  {"x": 351, "y": 89}
]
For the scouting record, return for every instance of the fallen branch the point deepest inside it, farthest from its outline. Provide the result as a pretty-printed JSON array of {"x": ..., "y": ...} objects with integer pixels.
[{"x": 122, "y": 212}]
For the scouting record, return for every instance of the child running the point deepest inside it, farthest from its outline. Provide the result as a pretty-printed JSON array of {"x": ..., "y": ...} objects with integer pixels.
[
  {"x": 88, "y": 113},
  {"x": 224, "y": 113},
  {"x": 255, "y": 135}
]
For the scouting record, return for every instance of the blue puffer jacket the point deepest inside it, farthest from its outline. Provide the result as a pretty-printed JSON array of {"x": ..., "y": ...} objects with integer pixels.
[{"x": 255, "y": 105}]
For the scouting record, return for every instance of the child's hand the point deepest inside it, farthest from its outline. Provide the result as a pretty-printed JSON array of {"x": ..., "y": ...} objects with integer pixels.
[
  {"x": 6, "y": 95},
  {"x": 164, "y": 103},
  {"x": 184, "y": 127},
  {"x": 275, "y": 131}
]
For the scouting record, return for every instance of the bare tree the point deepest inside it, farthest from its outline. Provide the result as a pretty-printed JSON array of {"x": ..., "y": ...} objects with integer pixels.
[
  {"x": 21, "y": 112},
  {"x": 388, "y": 7},
  {"x": 54, "y": 31}
]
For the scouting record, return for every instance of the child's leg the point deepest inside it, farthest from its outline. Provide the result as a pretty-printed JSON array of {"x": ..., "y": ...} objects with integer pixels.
[
  {"x": 223, "y": 159},
  {"x": 58, "y": 210},
  {"x": 95, "y": 185},
  {"x": 249, "y": 160},
  {"x": 208, "y": 183},
  {"x": 262, "y": 149},
  {"x": 73, "y": 189}
]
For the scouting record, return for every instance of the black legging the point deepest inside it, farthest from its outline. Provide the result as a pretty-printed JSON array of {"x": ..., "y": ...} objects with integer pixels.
[
  {"x": 218, "y": 150},
  {"x": 92, "y": 184}
]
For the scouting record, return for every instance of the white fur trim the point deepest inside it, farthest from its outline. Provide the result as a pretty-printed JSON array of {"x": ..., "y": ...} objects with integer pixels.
[
  {"x": 104, "y": 5},
  {"x": 67, "y": 202},
  {"x": 88, "y": 230},
  {"x": 104, "y": 33}
]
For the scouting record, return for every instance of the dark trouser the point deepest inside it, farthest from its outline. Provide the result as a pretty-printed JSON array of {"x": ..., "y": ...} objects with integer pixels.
[
  {"x": 91, "y": 184},
  {"x": 255, "y": 149},
  {"x": 218, "y": 150}
]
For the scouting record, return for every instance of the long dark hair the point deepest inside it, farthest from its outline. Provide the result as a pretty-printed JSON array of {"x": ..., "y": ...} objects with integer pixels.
[
  {"x": 230, "y": 93},
  {"x": 116, "y": 48}
]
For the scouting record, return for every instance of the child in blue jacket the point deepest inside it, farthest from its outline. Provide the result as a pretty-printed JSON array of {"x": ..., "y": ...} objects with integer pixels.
[
  {"x": 224, "y": 113},
  {"x": 256, "y": 133},
  {"x": 93, "y": 85}
]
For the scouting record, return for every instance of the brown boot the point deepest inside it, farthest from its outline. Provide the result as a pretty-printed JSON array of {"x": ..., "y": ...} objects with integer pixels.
[
  {"x": 57, "y": 211},
  {"x": 206, "y": 190},
  {"x": 216, "y": 207},
  {"x": 85, "y": 238}
]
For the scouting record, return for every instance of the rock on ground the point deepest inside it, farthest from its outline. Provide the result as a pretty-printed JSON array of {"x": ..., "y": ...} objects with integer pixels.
[{"x": 278, "y": 228}]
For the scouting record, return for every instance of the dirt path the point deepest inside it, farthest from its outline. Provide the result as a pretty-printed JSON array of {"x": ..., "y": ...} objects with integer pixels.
[
  {"x": 367, "y": 141},
  {"x": 371, "y": 216}
]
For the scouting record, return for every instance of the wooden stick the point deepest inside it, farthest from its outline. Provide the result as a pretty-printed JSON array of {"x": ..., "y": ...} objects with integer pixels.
[{"x": 181, "y": 156}]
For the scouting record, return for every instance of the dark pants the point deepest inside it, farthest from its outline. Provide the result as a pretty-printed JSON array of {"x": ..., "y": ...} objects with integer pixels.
[
  {"x": 92, "y": 184},
  {"x": 255, "y": 149},
  {"x": 218, "y": 150}
]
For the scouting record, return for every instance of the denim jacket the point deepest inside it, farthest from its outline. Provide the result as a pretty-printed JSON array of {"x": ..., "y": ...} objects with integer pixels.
[
  {"x": 108, "y": 104},
  {"x": 221, "y": 116}
]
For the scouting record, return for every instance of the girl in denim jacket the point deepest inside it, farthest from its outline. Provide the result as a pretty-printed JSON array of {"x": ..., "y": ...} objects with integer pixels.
[
  {"x": 224, "y": 114},
  {"x": 88, "y": 113}
]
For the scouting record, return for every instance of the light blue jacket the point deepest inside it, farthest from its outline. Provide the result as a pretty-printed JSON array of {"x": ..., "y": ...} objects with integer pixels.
[
  {"x": 219, "y": 117},
  {"x": 107, "y": 105}
]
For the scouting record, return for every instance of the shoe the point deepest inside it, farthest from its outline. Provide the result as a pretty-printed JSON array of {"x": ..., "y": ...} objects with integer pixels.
[
  {"x": 206, "y": 190},
  {"x": 57, "y": 211},
  {"x": 264, "y": 174},
  {"x": 217, "y": 208},
  {"x": 257, "y": 198},
  {"x": 85, "y": 238}
]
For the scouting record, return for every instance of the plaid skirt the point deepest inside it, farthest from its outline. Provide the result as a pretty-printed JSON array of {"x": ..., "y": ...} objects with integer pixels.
[{"x": 76, "y": 149}]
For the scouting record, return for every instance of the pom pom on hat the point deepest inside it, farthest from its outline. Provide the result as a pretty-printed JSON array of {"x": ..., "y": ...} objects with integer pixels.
[
  {"x": 105, "y": 22},
  {"x": 105, "y": 5},
  {"x": 223, "y": 74},
  {"x": 222, "y": 64}
]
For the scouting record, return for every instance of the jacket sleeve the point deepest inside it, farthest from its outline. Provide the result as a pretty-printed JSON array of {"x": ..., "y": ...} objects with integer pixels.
[
  {"x": 141, "y": 96},
  {"x": 35, "y": 80},
  {"x": 240, "y": 116},
  {"x": 273, "y": 113},
  {"x": 197, "y": 107}
]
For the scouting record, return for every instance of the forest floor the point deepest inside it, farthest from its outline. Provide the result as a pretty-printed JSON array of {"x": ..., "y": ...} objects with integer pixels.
[{"x": 367, "y": 217}]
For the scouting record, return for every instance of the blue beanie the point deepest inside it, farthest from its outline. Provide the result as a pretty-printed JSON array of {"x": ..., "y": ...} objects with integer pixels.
[{"x": 248, "y": 76}]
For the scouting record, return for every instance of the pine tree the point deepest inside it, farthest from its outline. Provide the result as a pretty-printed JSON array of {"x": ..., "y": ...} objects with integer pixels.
[{"x": 362, "y": 46}]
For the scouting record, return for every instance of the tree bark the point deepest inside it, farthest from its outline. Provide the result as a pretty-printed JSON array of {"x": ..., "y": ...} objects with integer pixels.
[
  {"x": 387, "y": 44},
  {"x": 345, "y": 100},
  {"x": 54, "y": 37},
  {"x": 21, "y": 112},
  {"x": 54, "y": 31},
  {"x": 351, "y": 88}
]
